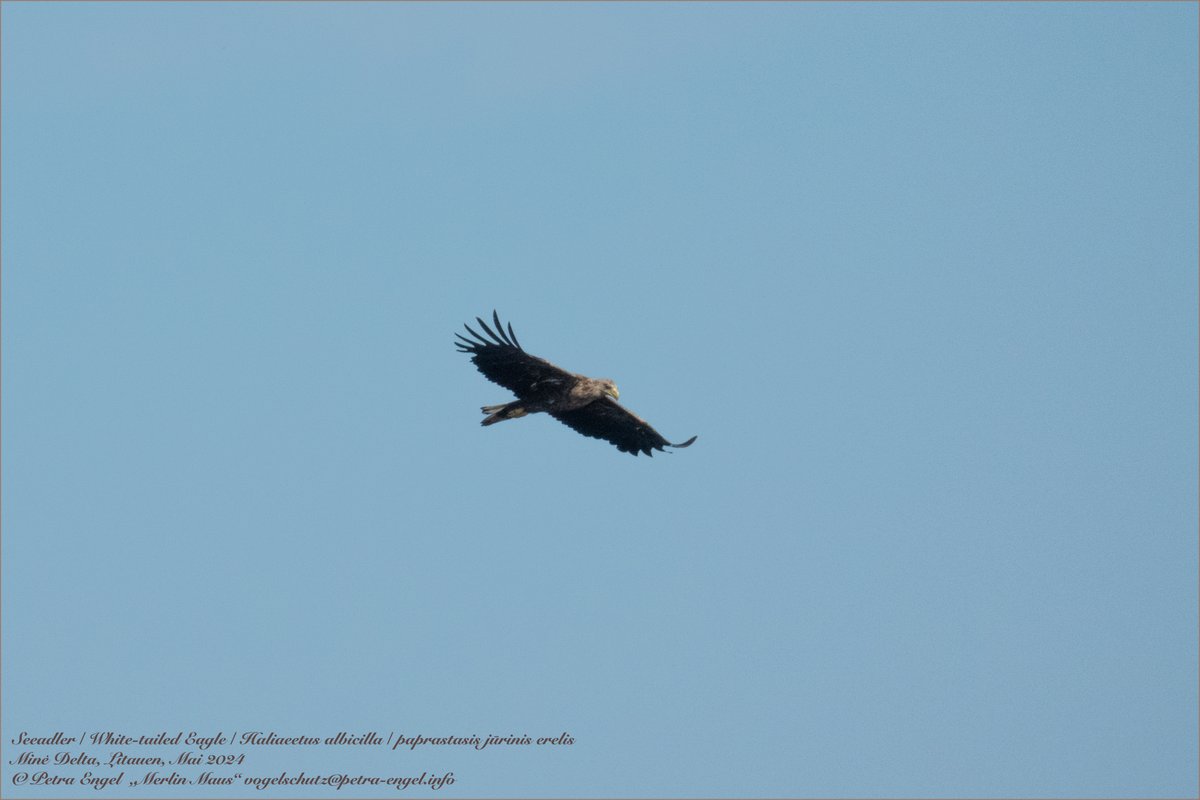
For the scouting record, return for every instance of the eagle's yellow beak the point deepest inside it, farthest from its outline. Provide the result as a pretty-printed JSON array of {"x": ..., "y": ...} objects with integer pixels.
[{"x": 616, "y": 394}]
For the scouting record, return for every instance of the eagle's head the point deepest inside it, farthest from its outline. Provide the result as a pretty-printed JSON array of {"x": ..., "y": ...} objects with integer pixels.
[{"x": 609, "y": 388}]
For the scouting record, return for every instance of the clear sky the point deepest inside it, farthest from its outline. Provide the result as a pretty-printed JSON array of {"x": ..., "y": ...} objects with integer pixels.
[{"x": 922, "y": 277}]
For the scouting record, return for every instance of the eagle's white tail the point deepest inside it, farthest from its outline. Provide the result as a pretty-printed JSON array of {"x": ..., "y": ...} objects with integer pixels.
[{"x": 502, "y": 412}]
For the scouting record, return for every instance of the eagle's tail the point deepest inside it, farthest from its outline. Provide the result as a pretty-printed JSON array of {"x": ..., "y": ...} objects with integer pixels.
[{"x": 503, "y": 411}]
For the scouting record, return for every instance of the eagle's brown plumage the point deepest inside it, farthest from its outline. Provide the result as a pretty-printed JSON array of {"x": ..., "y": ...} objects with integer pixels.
[{"x": 588, "y": 405}]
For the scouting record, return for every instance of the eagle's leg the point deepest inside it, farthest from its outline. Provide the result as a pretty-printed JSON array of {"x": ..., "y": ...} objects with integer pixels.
[{"x": 505, "y": 411}]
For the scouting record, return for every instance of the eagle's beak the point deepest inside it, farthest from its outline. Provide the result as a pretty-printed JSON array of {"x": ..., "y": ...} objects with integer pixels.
[{"x": 616, "y": 394}]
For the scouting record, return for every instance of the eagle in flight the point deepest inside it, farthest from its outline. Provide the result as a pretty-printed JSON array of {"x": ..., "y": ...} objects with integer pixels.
[{"x": 588, "y": 405}]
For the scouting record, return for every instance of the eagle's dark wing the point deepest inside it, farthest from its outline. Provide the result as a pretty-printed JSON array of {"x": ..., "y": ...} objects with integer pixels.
[
  {"x": 502, "y": 361},
  {"x": 606, "y": 419}
]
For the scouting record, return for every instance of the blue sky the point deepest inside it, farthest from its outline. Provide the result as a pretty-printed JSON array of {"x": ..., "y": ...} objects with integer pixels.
[{"x": 922, "y": 277}]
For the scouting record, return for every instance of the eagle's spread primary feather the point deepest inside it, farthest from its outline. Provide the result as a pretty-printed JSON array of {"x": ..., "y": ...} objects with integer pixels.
[{"x": 587, "y": 405}]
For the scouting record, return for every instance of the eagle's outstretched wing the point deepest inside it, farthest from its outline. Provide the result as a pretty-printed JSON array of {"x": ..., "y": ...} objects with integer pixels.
[
  {"x": 503, "y": 361},
  {"x": 607, "y": 419}
]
